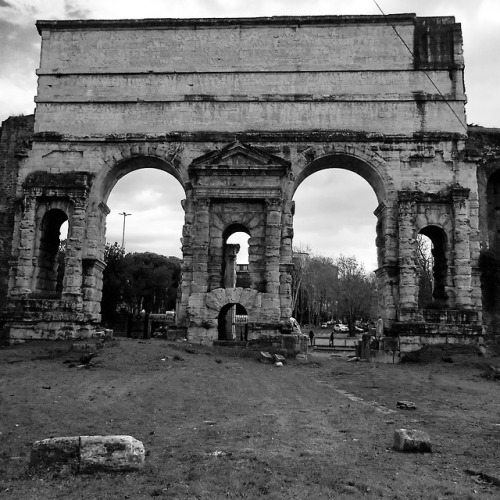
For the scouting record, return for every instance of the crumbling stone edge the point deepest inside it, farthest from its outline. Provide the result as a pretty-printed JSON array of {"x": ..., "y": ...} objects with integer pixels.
[{"x": 87, "y": 454}]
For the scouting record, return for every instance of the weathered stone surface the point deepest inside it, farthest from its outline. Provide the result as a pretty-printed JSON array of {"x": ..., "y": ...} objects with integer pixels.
[
  {"x": 88, "y": 453},
  {"x": 265, "y": 357},
  {"x": 55, "y": 453},
  {"x": 111, "y": 453},
  {"x": 240, "y": 112},
  {"x": 411, "y": 440},
  {"x": 406, "y": 405}
]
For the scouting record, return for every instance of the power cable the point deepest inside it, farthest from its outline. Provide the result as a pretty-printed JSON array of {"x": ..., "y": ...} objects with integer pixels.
[{"x": 424, "y": 71}]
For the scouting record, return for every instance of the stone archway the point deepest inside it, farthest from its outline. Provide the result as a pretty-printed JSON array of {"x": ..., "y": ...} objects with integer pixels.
[
  {"x": 232, "y": 323},
  {"x": 239, "y": 112},
  {"x": 102, "y": 187},
  {"x": 376, "y": 172}
]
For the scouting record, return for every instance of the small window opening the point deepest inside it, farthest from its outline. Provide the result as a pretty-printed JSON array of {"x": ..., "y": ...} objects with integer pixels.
[
  {"x": 236, "y": 260},
  {"x": 432, "y": 267},
  {"x": 52, "y": 252}
]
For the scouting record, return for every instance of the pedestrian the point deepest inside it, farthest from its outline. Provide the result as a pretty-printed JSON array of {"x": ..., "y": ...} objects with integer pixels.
[
  {"x": 331, "y": 339},
  {"x": 311, "y": 337},
  {"x": 380, "y": 327}
]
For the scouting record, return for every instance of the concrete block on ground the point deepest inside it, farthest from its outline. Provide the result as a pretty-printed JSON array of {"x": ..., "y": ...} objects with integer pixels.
[{"x": 412, "y": 440}]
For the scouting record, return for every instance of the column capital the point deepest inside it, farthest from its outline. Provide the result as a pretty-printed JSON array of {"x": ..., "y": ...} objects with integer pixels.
[
  {"x": 274, "y": 203},
  {"x": 202, "y": 203}
]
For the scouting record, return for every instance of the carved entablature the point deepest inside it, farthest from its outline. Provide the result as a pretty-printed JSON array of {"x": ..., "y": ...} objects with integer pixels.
[
  {"x": 58, "y": 185},
  {"x": 445, "y": 196},
  {"x": 241, "y": 160}
]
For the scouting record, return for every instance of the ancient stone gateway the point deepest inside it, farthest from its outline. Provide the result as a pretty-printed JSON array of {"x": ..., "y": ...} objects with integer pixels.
[{"x": 240, "y": 112}]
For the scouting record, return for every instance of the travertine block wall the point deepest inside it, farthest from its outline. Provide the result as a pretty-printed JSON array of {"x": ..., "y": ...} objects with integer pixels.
[
  {"x": 240, "y": 112},
  {"x": 15, "y": 141}
]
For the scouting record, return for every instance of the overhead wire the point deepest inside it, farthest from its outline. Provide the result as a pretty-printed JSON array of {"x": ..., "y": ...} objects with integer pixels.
[{"x": 423, "y": 70}]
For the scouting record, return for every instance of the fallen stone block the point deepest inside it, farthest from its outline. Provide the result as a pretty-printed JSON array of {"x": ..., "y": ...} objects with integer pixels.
[
  {"x": 88, "y": 453},
  {"x": 265, "y": 357},
  {"x": 406, "y": 405},
  {"x": 278, "y": 358},
  {"x": 54, "y": 453},
  {"x": 110, "y": 453},
  {"x": 412, "y": 440},
  {"x": 494, "y": 479}
]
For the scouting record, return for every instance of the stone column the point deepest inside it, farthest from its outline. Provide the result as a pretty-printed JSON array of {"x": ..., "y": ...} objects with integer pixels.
[
  {"x": 73, "y": 273},
  {"x": 286, "y": 265},
  {"x": 186, "y": 266},
  {"x": 461, "y": 248},
  {"x": 408, "y": 288},
  {"x": 230, "y": 265},
  {"x": 273, "y": 245},
  {"x": 21, "y": 280},
  {"x": 387, "y": 256},
  {"x": 93, "y": 264},
  {"x": 92, "y": 288},
  {"x": 200, "y": 245}
]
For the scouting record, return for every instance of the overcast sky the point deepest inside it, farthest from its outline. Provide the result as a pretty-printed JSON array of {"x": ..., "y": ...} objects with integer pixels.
[{"x": 341, "y": 220}]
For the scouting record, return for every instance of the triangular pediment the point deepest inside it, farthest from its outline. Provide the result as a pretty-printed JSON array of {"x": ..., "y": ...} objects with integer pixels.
[{"x": 240, "y": 156}]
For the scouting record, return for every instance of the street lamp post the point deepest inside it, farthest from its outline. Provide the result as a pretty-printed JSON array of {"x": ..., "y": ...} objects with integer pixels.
[{"x": 123, "y": 234}]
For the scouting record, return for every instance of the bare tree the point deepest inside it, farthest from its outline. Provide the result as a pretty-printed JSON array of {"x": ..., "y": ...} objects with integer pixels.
[
  {"x": 355, "y": 291},
  {"x": 425, "y": 264},
  {"x": 320, "y": 283},
  {"x": 300, "y": 259}
]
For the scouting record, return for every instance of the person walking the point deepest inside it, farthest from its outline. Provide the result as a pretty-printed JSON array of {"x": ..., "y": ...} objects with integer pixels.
[
  {"x": 331, "y": 339},
  {"x": 311, "y": 337}
]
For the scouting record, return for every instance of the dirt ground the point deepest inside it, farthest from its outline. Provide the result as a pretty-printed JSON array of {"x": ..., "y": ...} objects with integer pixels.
[{"x": 216, "y": 424}]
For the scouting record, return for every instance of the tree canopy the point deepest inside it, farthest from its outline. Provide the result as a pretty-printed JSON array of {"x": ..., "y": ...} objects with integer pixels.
[
  {"x": 330, "y": 289},
  {"x": 138, "y": 281}
]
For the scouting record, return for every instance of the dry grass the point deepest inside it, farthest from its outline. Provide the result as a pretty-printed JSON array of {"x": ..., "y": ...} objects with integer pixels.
[{"x": 218, "y": 426}]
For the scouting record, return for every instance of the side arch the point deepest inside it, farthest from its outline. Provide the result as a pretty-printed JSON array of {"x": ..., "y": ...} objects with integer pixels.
[
  {"x": 115, "y": 170},
  {"x": 441, "y": 284},
  {"x": 376, "y": 172},
  {"x": 370, "y": 167}
]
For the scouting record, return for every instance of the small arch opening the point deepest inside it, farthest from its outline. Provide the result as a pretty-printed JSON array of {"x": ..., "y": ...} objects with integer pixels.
[
  {"x": 233, "y": 323},
  {"x": 51, "y": 252},
  {"x": 235, "y": 271},
  {"x": 433, "y": 267}
]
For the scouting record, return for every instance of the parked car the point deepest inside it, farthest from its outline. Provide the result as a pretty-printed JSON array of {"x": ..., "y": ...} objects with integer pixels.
[
  {"x": 339, "y": 327},
  {"x": 324, "y": 325}
]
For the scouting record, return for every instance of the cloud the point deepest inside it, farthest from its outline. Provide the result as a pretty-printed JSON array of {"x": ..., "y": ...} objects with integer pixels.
[
  {"x": 153, "y": 198},
  {"x": 17, "y": 89}
]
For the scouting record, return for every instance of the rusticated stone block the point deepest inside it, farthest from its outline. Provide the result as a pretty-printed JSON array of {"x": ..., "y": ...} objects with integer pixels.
[
  {"x": 412, "y": 440},
  {"x": 55, "y": 453},
  {"x": 110, "y": 453},
  {"x": 88, "y": 453}
]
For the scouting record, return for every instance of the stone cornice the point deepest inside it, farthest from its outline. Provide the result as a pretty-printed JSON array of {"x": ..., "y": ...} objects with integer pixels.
[{"x": 166, "y": 23}]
